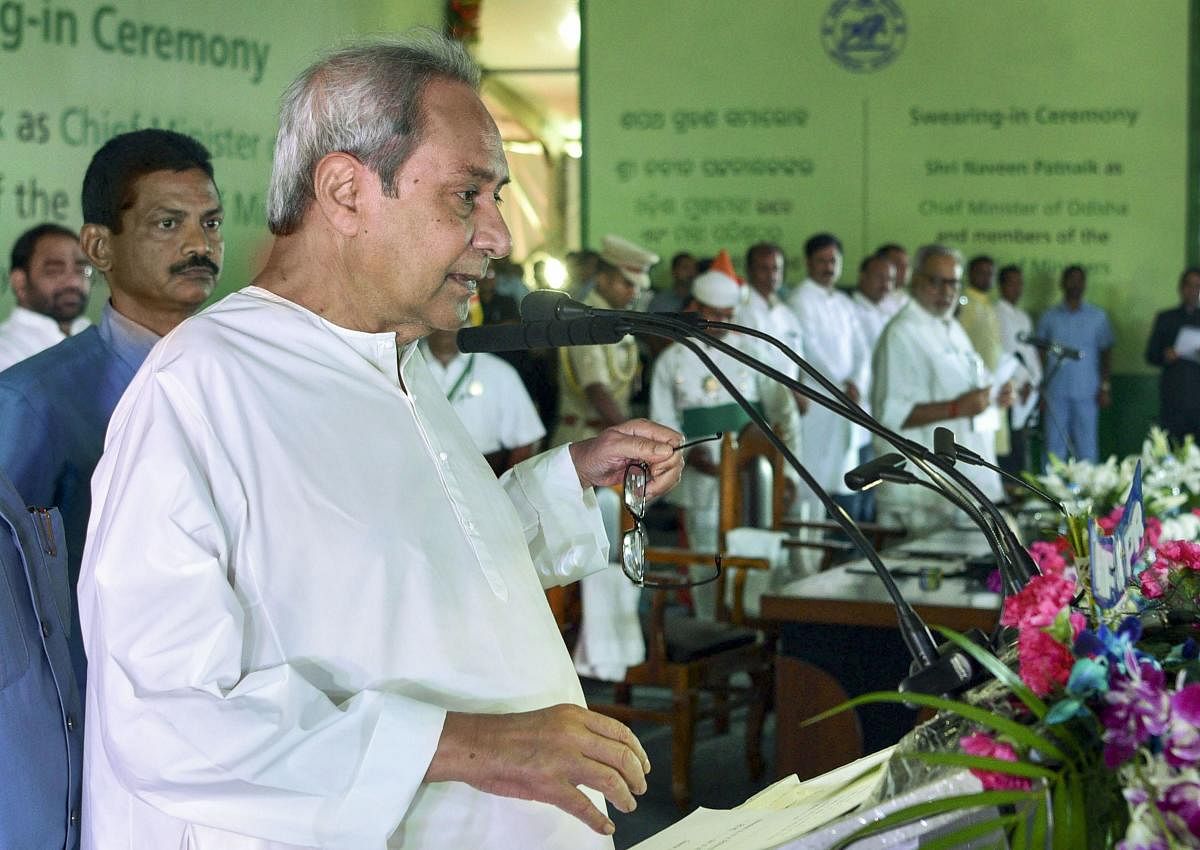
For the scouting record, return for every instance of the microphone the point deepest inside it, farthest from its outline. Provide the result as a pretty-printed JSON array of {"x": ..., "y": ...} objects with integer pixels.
[
  {"x": 551, "y": 304},
  {"x": 546, "y": 304},
  {"x": 945, "y": 446},
  {"x": 1049, "y": 346},
  {"x": 601, "y": 330},
  {"x": 886, "y": 467}
]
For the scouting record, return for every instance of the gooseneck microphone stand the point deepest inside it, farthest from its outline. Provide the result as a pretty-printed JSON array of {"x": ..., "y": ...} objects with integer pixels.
[
  {"x": 934, "y": 672},
  {"x": 1015, "y": 563}
]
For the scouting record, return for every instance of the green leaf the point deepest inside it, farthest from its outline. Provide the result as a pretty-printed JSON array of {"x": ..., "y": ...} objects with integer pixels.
[
  {"x": 1019, "y": 733},
  {"x": 959, "y": 837},
  {"x": 1064, "y": 837},
  {"x": 994, "y": 765},
  {"x": 1041, "y": 818}
]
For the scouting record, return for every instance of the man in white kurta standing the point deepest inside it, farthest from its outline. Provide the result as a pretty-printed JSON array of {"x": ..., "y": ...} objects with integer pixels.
[
  {"x": 314, "y": 614},
  {"x": 926, "y": 373},
  {"x": 834, "y": 343}
]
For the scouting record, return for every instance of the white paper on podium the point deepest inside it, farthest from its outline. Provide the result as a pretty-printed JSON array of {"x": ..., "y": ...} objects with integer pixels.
[
  {"x": 778, "y": 814},
  {"x": 813, "y": 819},
  {"x": 1187, "y": 343}
]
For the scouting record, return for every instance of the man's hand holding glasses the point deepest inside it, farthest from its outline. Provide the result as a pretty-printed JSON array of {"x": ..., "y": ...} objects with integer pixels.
[{"x": 636, "y": 488}]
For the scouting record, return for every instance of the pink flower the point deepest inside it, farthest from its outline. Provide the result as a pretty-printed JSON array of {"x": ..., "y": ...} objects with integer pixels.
[
  {"x": 979, "y": 744},
  {"x": 1048, "y": 557},
  {"x": 1180, "y": 553},
  {"x": 1153, "y": 581},
  {"x": 1039, "y": 602},
  {"x": 1044, "y": 662}
]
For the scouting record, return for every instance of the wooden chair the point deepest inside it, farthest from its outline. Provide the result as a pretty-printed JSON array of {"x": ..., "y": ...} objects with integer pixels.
[
  {"x": 694, "y": 659},
  {"x": 741, "y": 501}
]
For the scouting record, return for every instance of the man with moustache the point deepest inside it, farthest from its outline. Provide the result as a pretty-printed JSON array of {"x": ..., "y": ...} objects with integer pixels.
[
  {"x": 835, "y": 344},
  {"x": 925, "y": 373},
  {"x": 315, "y": 616},
  {"x": 50, "y": 278},
  {"x": 153, "y": 228}
]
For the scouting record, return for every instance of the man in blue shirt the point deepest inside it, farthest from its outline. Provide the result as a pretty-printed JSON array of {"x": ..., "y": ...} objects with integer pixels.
[
  {"x": 152, "y": 226},
  {"x": 1079, "y": 387}
]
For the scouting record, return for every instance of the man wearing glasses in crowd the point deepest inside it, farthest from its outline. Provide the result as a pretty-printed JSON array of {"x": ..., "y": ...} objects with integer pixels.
[
  {"x": 315, "y": 616},
  {"x": 925, "y": 373}
]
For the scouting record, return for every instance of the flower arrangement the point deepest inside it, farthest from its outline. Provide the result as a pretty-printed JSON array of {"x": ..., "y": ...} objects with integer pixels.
[
  {"x": 1171, "y": 478},
  {"x": 1089, "y": 737},
  {"x": 1114, "y": 686}
]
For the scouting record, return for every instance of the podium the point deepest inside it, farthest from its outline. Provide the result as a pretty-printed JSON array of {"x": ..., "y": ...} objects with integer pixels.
[{"x": 848, "y": 598}]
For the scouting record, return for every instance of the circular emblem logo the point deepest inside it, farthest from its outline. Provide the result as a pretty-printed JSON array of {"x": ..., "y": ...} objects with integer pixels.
[{"x": 863, "y": 35}]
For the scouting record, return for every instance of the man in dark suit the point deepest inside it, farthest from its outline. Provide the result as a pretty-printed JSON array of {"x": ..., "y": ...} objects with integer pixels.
[{"x": 1179, "y": 383}]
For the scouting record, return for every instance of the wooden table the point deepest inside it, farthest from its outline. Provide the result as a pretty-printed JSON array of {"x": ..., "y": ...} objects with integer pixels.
[{"x": 852, "y": 595}]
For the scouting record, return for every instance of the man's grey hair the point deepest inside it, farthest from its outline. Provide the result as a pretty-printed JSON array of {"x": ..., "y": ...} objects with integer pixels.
[
  {"x": 935, "y": 250},
  {"x": 362, "y": 99}
]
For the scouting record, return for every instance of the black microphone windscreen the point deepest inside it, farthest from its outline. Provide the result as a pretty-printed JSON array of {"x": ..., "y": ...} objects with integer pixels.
[
  {"x": 943, "y": 443},
  {"x": 552, "y": 334},
  {"x": 867, "y": 474},
  {"x": 492, "y": 338},
  {"x": 543, "y": 305}
]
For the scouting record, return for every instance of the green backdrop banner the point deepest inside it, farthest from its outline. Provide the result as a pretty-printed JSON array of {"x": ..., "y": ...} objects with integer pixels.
[
  {"x": 78, "y": 73},
  {"x": 1041, "y": 134}
]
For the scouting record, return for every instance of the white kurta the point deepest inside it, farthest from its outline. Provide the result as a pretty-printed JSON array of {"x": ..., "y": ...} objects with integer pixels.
[
  {"x": 834, "y": 344},
  {"x": 919, "y": 359},
  {"x": 873, "y": 316},
  {"x": 24, "y": 333},
  {"x": 296, "y": 564},
  {"x": 778, "y": 319},
  {"x": 872, "y": 319},
  {"x": 490, "y": 399}
]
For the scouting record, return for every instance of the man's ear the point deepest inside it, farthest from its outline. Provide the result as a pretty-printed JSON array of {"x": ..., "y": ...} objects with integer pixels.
[
  {"x": 338, "y": 182},
  {"x": 18, "y": 280},
  {"x": 96, "y": 242}
]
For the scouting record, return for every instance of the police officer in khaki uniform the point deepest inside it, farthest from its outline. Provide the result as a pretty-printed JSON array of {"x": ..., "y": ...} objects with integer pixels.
[{"x": 595, "y": 381}]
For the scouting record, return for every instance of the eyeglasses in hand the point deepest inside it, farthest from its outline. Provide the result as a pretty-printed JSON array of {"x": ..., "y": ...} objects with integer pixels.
[{"x": 633, "y": 542}]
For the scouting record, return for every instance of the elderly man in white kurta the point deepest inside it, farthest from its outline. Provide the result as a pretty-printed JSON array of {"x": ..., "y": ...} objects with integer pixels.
[
  {"x": 927, "y": 374},
  {"x": 315, "y": 617},
  {"x": 834, "y": 343},
  {"x": 686, "y": 396}
]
